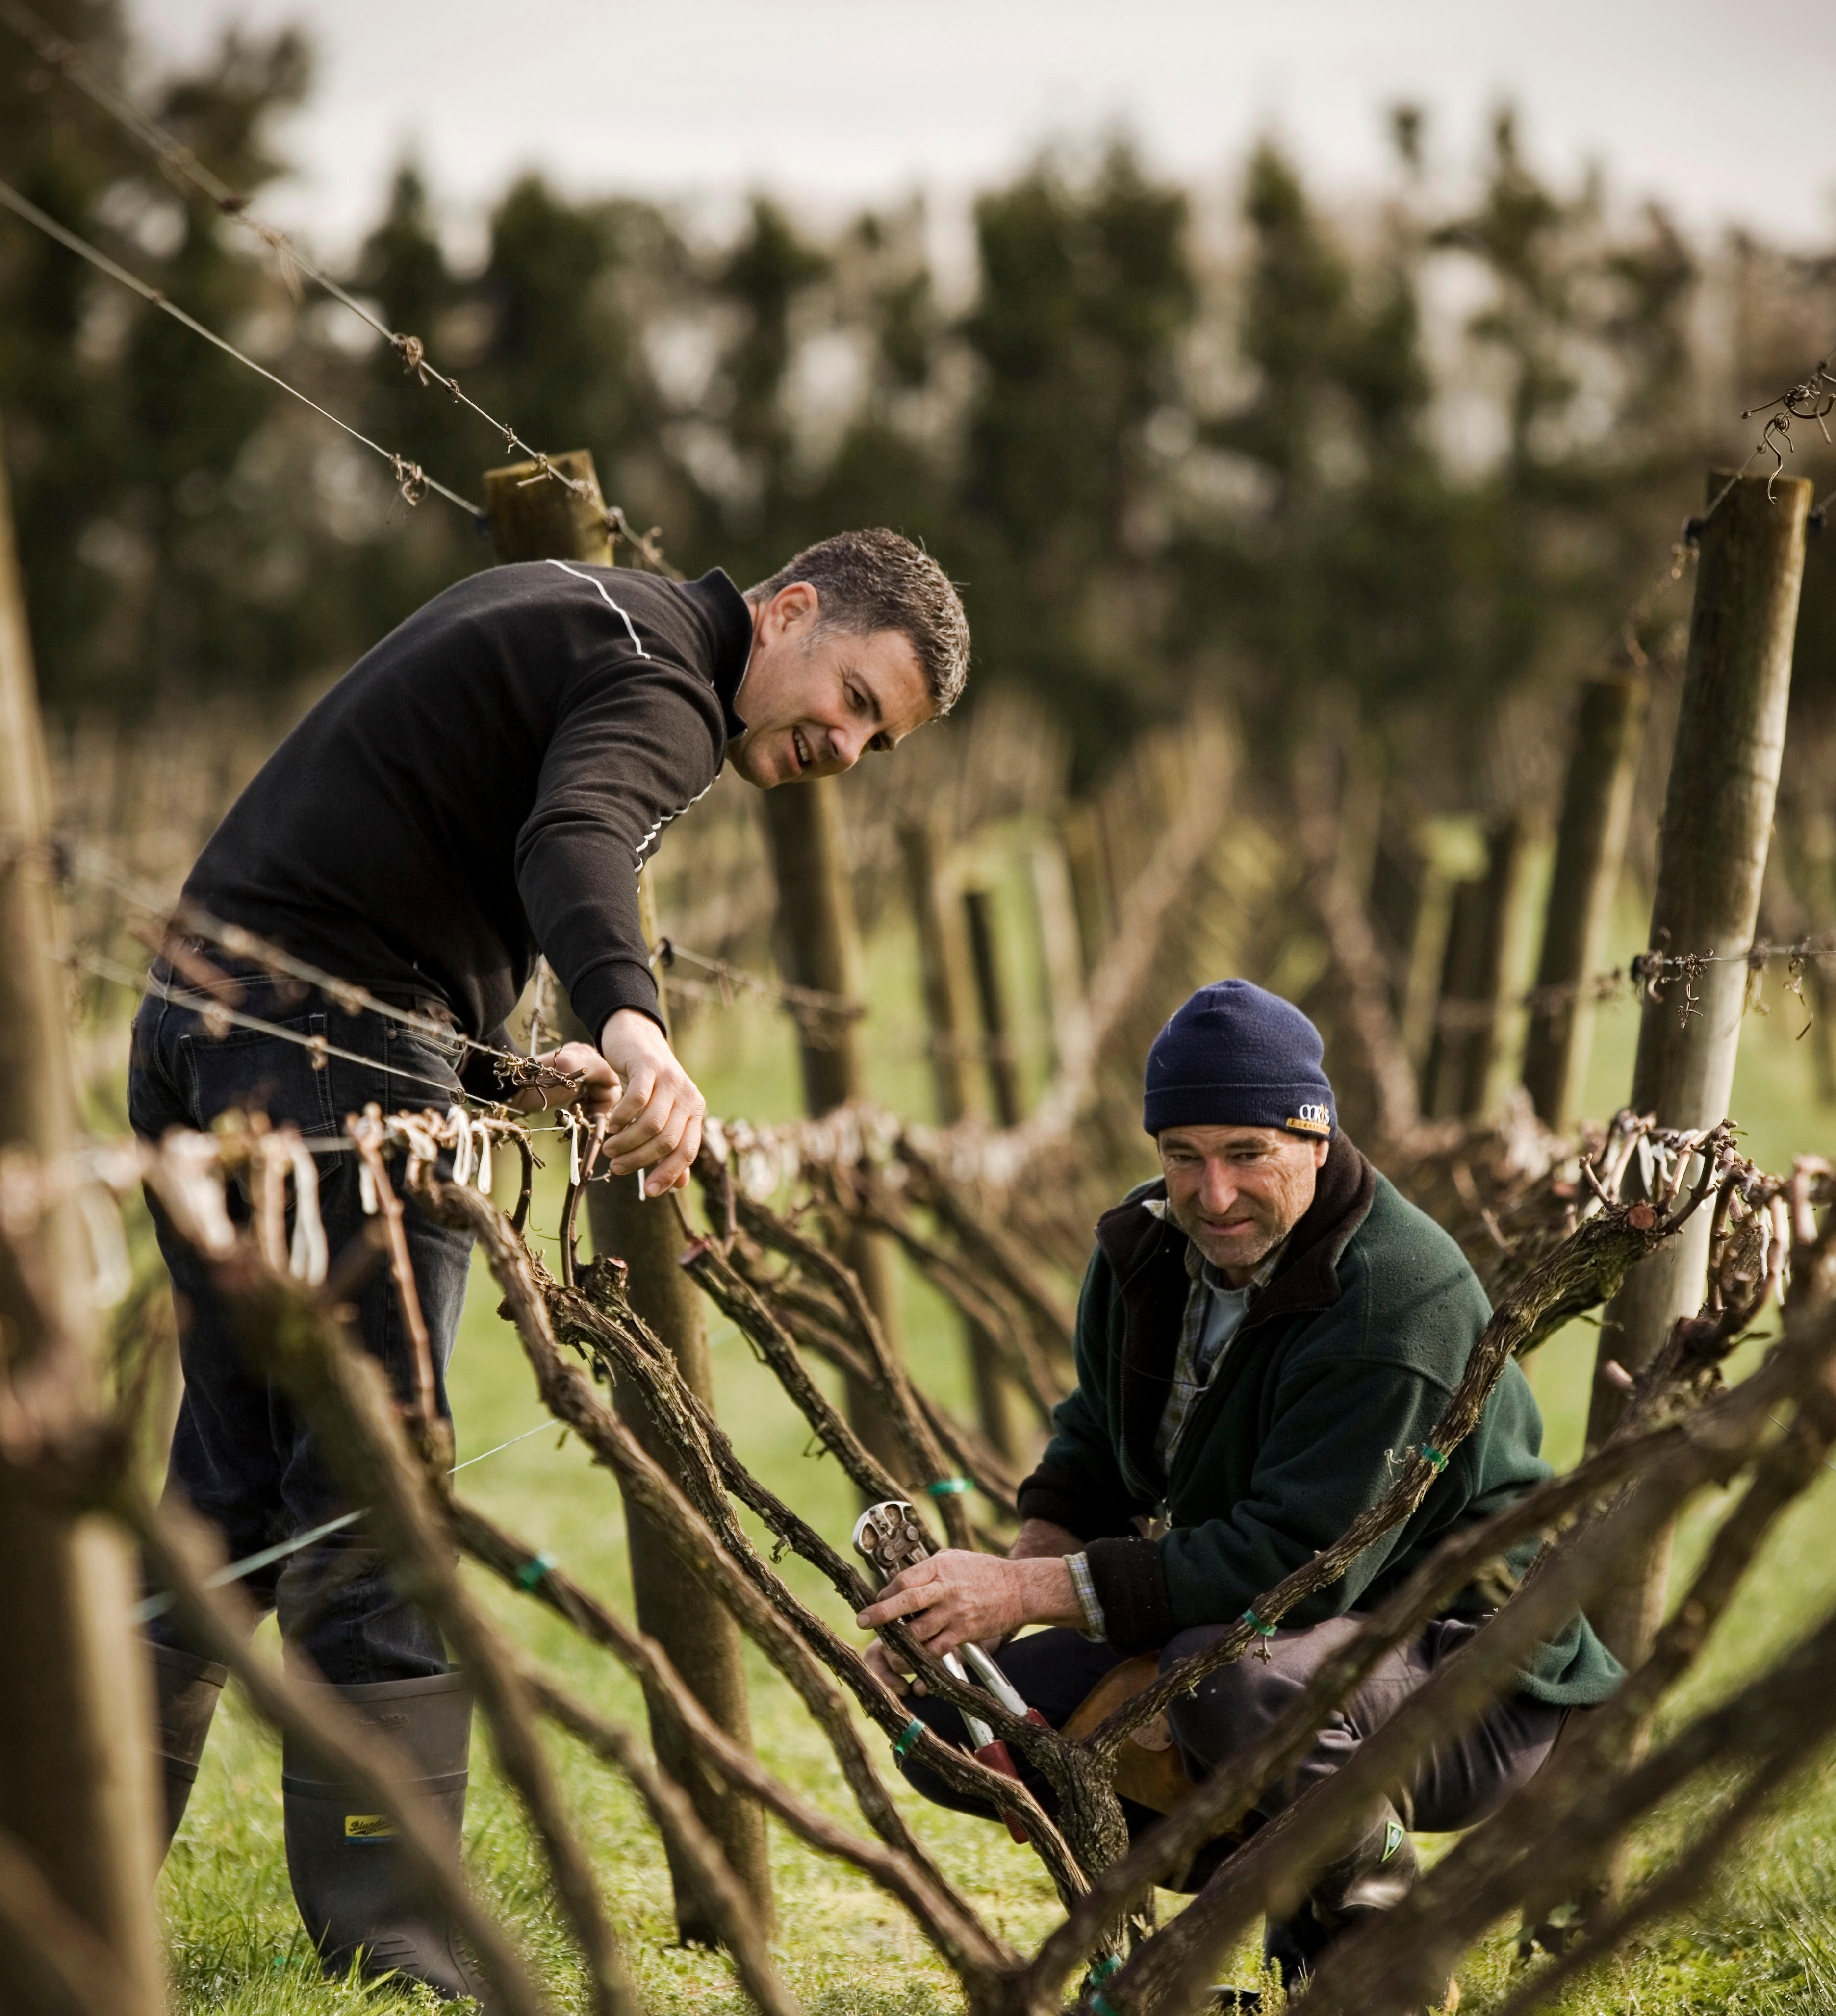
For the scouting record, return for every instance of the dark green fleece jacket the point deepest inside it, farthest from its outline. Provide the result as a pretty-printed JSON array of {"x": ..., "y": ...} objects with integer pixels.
[{"x": 1343, "y": 1363}]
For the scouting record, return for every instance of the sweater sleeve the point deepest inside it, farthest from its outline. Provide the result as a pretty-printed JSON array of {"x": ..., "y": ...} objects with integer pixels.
[
  {"x": 1339, "y": 1428},
  {"x": 1078, "y": 1483},
  {"x": 631, "y": 749}
]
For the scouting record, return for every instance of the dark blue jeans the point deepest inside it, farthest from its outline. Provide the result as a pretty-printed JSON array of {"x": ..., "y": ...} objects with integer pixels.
[{"x": 242, "y": 1456}]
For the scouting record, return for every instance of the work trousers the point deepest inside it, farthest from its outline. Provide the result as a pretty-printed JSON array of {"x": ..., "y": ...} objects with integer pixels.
[
  {"x": 242, "y": 1456},
  {"x": 1457, "y": 1780}
]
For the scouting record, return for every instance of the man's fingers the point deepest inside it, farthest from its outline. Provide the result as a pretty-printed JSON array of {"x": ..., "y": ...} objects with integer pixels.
[
  {"x": 580, "y": 1057},
  {"x": 880, "y": 1664},
  {"x": 658, "y": 1127},
  {"x": 902, "y": 1603},
  {"x": 938, "y": 1631},
  {"x": 641, "y": 1088},
  {"x": 679, "y": 1164},
  {"x": 880, "y": 1653},
  {"x": 653, "y": 1134},
  {"x": 671, "y": 1173},
  {"x": 597, "y": 1088},
  {"x": 920, "y": 1575}
]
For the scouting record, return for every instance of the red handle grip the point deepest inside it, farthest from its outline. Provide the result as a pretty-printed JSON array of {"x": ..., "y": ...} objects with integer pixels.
[{"x": 996, "y": 1757}]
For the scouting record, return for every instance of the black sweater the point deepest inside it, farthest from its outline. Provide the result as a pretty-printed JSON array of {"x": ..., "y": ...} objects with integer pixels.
[{"x": 486, "y": 783}]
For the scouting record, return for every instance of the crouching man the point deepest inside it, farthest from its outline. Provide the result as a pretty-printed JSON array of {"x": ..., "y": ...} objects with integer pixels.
[{"x": 1261, "y": 1334}]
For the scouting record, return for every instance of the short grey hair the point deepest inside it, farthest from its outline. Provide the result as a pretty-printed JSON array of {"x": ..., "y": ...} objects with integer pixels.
[{"x": 880, "y": 580}]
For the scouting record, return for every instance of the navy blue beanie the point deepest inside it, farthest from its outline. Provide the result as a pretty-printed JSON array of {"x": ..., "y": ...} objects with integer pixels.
[{"x": 1237, "y": 1055}]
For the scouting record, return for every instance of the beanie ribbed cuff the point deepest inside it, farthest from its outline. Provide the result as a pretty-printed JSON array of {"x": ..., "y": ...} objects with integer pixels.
[{"x": 1301, "y": 1108}]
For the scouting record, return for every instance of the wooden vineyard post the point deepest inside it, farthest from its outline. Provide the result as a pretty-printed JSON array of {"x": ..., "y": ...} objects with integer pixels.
[
  {"x": 818, "y": 947},
  {"x": 1004, "y": 1076},
  {"x": 942, "y": 990},
  {"x": 1398, "y": 887},
  {"x": 994, "y": 1405},
  {"x": 1590, "y": 847},
  {"x": 1468, "y": 1022},
  {"x": 1718, "y": 813},
  {"x": 937, "y": 971},
  {"x": 1443, "y": 1068},
  {"x": 533, "y": 519},
  {"x": 1056, "y": 903},
  {"x": 544, "y": 521},
  {"x": 1083, "y": 864},
  {"x": 76, "y": 1746}
]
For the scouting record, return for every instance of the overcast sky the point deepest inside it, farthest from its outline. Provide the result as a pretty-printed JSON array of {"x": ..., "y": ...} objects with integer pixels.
[{"x": 1727, "y": 111}]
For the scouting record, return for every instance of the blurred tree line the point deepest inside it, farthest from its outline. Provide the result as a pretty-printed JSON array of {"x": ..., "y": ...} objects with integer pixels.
[{"x": 1397, "y": 472}]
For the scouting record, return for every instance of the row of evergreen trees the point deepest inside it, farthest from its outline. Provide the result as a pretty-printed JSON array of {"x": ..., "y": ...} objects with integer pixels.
[{"x": 1407, "y": 466}]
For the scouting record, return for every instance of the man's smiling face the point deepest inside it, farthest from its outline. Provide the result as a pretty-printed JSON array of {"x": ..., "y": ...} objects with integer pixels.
[
  {"x": 1236, "y": 1193},
  {"x": 814, "y": 699}
]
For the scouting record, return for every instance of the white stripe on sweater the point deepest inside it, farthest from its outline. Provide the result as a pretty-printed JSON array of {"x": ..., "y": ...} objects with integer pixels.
[
  {"x": 592, "y": 581},
  {"x": 637, "y": 641}
]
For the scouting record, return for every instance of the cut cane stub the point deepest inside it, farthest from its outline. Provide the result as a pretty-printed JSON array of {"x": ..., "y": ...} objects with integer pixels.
[{"x": 1154, "y": 1735}]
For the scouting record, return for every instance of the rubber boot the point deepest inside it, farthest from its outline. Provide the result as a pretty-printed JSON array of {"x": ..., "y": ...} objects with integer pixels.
[
  {"x": 1373, "y": 1876},
  {"x": 185, "y": 1692},
  {"x": 350, "y": 1882}
]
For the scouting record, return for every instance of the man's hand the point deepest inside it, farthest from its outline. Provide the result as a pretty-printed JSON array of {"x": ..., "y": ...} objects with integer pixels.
[
  {"x": 598, "y": 1089},
  {"x": 656, "y": 1123},
  {"x": 652, "y": 1109},
  {"x": 959, "y": 1598}
]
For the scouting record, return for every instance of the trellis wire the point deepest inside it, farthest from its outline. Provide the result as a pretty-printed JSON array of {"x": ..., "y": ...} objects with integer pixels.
[
  {"x": 157, "y": 1605},
  {"x": 182, "y": 165},
  {"x": 411, "y": 479},
  {"x": 208, "y": 1004},
  {"x": 87, "y": 863}
]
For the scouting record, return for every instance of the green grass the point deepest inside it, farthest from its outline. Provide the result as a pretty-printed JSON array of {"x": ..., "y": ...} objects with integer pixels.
[{"x": 1766, "y": 1940}]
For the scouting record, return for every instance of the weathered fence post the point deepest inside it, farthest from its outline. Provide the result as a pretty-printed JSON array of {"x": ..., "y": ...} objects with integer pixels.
[
  {"x": 1062, "y": 960},
  {"x": 1084, "y": 863},
  {"x": 994, "y": 1402},
  {"x": 544, "y": 521},
  {"x": 1590, "y": 848},
  {"x": 937, "y": 974},
  {"x": 1397, "y": 889},
  {"x": 1004, "y": 1076},
  {"x": 942, "y": 990},
  {"x": 1718, "y": 813},
  {"x": 1431, "y": 928},
  {"x": 818, "y": 947},
  {"x": 75, "y": 1745},
  {"x": 1468, "y": 1022}
]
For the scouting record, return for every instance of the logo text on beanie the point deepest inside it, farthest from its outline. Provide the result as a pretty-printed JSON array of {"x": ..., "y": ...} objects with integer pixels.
[{"x": 1311, "y": 1120}]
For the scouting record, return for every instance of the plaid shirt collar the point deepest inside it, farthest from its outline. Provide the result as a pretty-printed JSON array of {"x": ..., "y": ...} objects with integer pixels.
[{"x": 1190, "y": 1381}]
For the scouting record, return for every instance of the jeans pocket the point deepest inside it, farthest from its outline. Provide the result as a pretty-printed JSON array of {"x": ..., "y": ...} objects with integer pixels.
[
  {"x": 256, "y": 1071},
  {"x": 154, "y": 1102},
  {"x": 422, "y": 1068}
]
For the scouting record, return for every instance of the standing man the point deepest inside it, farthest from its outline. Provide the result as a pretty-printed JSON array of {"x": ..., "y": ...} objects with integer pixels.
[
  {"x": 1262, "y": 1331},
  {"x": 484, "y": 785}
]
